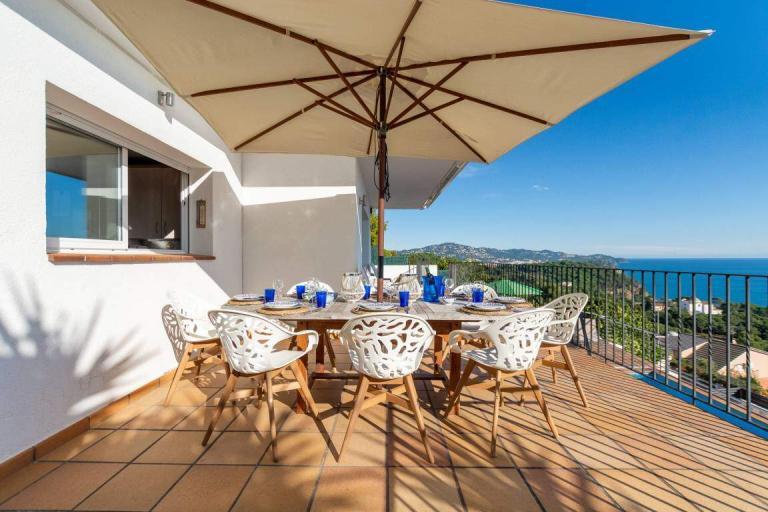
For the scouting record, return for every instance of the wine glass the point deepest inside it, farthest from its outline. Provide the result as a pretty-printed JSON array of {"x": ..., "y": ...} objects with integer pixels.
[
  {"x": 449, "y": 282},
  {"x": 278, "y": 284}
]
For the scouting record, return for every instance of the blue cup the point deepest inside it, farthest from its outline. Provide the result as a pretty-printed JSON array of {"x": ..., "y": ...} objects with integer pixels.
[
  {"x": 405, "y": 295},
  {"x": 367, "y": 294},
  {"x": 440, "y": 286},
  {"x": 477, "y": 295},
  {"x": 269, "y": 295},
  {"x": 321, "y": 296},
  {"x": 300, "y": 289}
]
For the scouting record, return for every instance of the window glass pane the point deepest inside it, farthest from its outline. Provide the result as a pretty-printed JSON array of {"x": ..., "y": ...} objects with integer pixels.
[{"x": 82, "y": 187}]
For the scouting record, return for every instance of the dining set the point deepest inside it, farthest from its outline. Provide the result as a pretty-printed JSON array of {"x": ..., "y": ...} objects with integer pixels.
[{"x": 490, "y": 341}]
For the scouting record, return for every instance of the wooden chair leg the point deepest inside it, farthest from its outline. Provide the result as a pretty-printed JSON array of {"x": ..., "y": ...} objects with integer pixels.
[
  {"x": 331, "y": 352},
  {"x": 362, "y": 389},
  {"x": 540, "y": 399},
  {"x": 551, "y": 357},
  {"x": 574, "y": 376},
  {"x": 457, "y": 392},
  {"x": 272, "y": 421},
  {"x": 496, "y": 406},
  {"x": 177, "y": 375},
  {"x": 231, "y": 381},
  {"x": 413, "y": 396},
  {"x": 304, "y": 389}
]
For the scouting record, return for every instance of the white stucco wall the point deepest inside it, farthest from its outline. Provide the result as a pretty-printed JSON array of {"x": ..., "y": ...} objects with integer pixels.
[
  {"x": 75, "y": 337},
  {"x": 300, "y": 219}
]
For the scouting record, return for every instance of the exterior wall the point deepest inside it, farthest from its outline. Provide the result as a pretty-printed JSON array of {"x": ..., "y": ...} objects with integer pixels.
[
  {"x": 75, "y": 337},
  {"x": 300, "y": 219}
]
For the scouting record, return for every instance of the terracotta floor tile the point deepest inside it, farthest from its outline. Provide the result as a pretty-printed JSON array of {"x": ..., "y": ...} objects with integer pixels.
[
  {"x": 568, "y": 490},
  {"x": 64, "y": 487},
  {"x": 412, "y": 489},
  {"x": 407, "y": 449},
  {"x": 236, "y": 448},
  {"x": 250, "y": 418},
  {"x": 201, "y": 418},
  {"x": 375, "y": 419},
  {"x": 472, "y": 419},
  {"x": 298, "y": 449},
  {"x": 640, "y": 490},
  {"x": 537, "y": 452},
  {"x": 654, "y": 452},
  {"x": 120, "y": 446},
  {"x": 598, "y": 452},
  {"x": 137, "y": 487},
  {"x": 495, "y": 489},
  {"x": 296, "y": 422},
  {"x": 17, "y": 481},
  {"x": 351, "y": 489},
  {"x": 76, "y": 445},
  {"x": 714, "y": 490},
  {"x": 713, "y": 453},
  {"x": 475, "y": 450},
  {"x": 363, "y": 449},
  {"x": 206, "y": 489},
  {"x": 278, "y": 488},
  {"x": 176, "y": 447},
  {"x": 121, "y": 417},
  {"x": 159, "y": 417}
]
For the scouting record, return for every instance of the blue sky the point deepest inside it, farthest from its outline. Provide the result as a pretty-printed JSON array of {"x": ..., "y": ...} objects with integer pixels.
[{"x": 672, "y": 164}]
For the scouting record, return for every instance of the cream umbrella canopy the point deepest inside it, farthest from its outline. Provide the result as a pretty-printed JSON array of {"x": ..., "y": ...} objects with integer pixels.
[{"x": 463, "y": 80}]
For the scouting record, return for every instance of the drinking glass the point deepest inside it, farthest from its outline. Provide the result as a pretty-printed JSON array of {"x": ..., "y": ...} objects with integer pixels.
[
  {"x": 404, "y": 298},
  {"x": 367, "y": 294},
  {"x": 477, "y": 294},
  {"x": 300, "y": 289},
  {"x": 269, "y": 295},
  {"x": 321, "y": 296},
  {"x": 449, "y": 282},
  {"x": 277, "y": 284}
]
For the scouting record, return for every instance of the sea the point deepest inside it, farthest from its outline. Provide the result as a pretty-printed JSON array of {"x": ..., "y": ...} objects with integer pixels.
[{"x": 756, "y": 268}]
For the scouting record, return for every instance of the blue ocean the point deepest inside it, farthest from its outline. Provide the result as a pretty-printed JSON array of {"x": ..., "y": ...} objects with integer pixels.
[{"x": 756, "y": 268}]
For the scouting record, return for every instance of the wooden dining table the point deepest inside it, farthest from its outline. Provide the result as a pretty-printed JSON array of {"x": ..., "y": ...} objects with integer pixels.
[{"x": 443, "y": 318}]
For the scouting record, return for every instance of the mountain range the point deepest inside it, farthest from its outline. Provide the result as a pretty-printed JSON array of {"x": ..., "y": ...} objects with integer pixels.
[{"x": 490, "y": 255}]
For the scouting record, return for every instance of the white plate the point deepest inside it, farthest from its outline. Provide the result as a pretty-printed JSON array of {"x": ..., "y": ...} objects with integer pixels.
[
  {"x": 510, "y": 300},
  {"x": 447, "y": 300},
  {"x": 248, "y": 296},
  {"x": 282, "y": 304},
  {"x": 486, "y": 306},
  {"x": 376, "y": 306}
]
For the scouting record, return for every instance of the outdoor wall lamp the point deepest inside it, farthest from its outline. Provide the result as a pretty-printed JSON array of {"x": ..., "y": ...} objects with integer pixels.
[{"x": 165, "y": 98}]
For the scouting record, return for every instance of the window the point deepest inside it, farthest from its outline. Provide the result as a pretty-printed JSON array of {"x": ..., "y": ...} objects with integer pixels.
[{"x": 102, "y": 195}]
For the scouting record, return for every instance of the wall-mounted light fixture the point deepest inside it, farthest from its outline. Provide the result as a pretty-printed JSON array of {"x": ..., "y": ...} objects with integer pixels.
[
  {"x": 165, "y": 98},
  {"x": 201, "y": 214},
  {"x": 363, "y": 200}
]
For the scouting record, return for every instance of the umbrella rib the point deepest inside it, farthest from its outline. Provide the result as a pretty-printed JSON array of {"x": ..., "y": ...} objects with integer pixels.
[
  {"x": 348, "y": 116},
  {"x": 403, "y": 30},
  {"x": 614, "y": 43},
  {"x": 425, "y": 113},
  {"x": 280, "y": 30},
  {"x": 429, "y": 91},
  {"x": 444, "y": 124},
  {"x": 299, "y": 112},
  {"x": 350, "y": 113},
  {"x": 477, "y": 100},
  {"x": 276, "y": 83},
  {"x": 394, "y": 78},
  {"x": 346, "y": 82}
]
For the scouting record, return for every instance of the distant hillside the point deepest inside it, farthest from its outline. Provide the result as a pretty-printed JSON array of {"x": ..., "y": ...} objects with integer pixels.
[{"x": 490, "y": 255}]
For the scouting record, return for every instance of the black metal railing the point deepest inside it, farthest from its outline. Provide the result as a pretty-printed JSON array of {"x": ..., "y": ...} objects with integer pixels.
[{"x": 705, "y": 335}]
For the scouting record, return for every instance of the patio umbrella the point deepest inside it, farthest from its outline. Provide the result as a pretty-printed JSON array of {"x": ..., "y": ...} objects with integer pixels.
[{"x": 463, "y": 80}]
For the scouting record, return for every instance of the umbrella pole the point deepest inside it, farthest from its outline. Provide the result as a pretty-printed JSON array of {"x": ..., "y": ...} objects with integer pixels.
[{"x": 382, "y": 157}]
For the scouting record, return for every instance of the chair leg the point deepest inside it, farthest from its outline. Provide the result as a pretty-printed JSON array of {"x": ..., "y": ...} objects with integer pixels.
[
  {"x": 457, "y": 392},
  {"x": 179, "y": 372},
  {"x": 496, "y": 406},
  {"x": 231, "y": 381},
  {"x": 329, "y": 349},
  {"x": 362, "y": 389},
  {"x": 304, "y": 389},
  {"x": 551, "y": 357},
  {"x": 572, "y": 369},
  {"x": 413, "y": 396},
  {"x": 540, "y": 399},
  {"x": 272, "y": 421}
]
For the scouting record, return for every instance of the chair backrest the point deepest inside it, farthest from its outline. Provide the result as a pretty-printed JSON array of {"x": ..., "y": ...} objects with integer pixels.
[
  {"x": 386, "y": 346},
  {"x": 567, "y": 310},
  {"x": 173, "y": 330},
  {"x": 517, "y": 338},
  {"x": 249, "y": 340},
  {"x": 192, "y": 316},
  {"x": 466, "y": 289}
]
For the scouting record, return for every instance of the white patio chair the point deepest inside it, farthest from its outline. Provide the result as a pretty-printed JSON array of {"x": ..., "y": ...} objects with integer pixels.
[
  {"x": 193, "y": 339},
  {"x": 385, "y": 350},
  {"x": 326, "y": 338},
  {"x": 466, "y": 289},
  {"x": 567, "y": 308},
  {"x": 512, "y": 344},
  {"x": 249, "y": 342}
]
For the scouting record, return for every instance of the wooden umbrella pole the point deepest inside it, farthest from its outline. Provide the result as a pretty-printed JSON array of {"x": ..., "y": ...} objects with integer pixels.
[{"x": 382, "y": 156}]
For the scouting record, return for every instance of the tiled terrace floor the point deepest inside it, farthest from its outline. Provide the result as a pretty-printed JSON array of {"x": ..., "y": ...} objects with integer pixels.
[{"x": 635, "y": 448}]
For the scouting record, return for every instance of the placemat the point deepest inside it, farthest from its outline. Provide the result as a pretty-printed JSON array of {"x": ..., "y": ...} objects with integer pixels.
[
  {"x": 233, "y": 302},
  {"x": 503, "y": 312},
  {"x": 281, "y": 312}
]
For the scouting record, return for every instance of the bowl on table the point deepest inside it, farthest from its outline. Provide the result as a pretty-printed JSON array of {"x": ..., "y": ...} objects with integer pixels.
[{"x": 282, "y": 304}]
